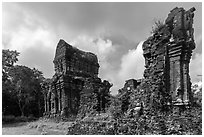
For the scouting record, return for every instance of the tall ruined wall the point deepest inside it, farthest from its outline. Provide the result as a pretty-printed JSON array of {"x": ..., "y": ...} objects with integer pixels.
[
  {"x": 167, "y": 55},
  {"x": 154, "y": 74}
]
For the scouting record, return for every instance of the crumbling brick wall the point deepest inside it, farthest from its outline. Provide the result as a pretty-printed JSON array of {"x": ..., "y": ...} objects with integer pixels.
[
  {"x": 167, "y": 55},
  {"x": 155, "y": 50},
  {"x": 94, "y": 98},
  {"x": 126, "y": 94}
]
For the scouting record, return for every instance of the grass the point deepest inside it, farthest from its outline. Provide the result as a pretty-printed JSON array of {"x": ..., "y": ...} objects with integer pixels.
[{"x": 38, "y": 127}]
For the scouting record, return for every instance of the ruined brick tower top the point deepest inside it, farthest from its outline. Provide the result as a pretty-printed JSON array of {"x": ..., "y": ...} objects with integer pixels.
[{"x": 70, "y": 60}]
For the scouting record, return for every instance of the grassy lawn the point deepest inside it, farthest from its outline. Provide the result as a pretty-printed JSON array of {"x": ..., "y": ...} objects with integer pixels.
[{"x": 39, "y": 127}]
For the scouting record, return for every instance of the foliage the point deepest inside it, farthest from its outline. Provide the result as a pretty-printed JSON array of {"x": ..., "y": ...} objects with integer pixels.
[
  {"x": 150, "y": 122},
  {"x": 21, "y": 87},
  {"x": 89, "y": 107},
  {"x": 103, "y": 96},
  {"x": 9, "y": 57},
  {"x": 159, "y": 123},
  {"x": 20, "y": 78},
  {"x": 38, "y": 91},
  {"x": 158, "y": 25},
  {"x": 115, "y": 108},
  {"x": 94, "y": 98},
  {"x": 26, "y": 83},
  {"x": 196, "y": 89}
]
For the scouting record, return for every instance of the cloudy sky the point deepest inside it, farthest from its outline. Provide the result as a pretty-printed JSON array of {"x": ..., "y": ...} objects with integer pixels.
[{"x": 113, "y": 31}]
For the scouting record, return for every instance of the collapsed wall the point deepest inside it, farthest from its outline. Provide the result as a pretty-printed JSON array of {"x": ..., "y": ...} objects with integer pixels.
[{"x": 94, "y": 98}]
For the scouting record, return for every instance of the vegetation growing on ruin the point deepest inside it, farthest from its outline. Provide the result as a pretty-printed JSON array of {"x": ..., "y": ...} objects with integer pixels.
[
  {"x": 146, "y": 108},
  {"x": 157, "y": 26}
]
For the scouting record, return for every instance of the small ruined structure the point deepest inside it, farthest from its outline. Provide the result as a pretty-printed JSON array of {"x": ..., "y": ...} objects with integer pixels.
[
  {"x": 125, "y": 93},
  {"x": 130, "y": 84},
  {"x": 167, "y": 55},
  {"x": 73, "y": 68}
]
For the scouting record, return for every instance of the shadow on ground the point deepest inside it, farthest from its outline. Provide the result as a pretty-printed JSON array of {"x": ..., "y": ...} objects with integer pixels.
[{"x": 14, "y": 124}]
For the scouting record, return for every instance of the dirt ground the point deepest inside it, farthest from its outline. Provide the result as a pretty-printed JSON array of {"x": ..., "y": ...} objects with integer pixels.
[{"x": 40, "y": 127}]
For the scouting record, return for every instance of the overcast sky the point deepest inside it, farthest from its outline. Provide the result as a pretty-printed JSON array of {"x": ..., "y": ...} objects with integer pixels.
[{"x": 113, "y": 31}]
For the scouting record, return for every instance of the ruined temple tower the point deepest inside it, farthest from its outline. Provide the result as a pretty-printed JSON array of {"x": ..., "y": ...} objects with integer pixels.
[
  {"x": 72, "y": 67},
  {"x": 75, "y": 83},
  {"x": 167, "y": 56}
]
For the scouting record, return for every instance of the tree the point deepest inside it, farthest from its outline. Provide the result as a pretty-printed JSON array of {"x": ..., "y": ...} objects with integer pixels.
[
  {"x": 23, "y": 80},
  {"x": 22, "y": 90},
  {"x": 9, "y": 57},
  {"x": 38, "y": 82},
  {"x": 196, "y": 89}
]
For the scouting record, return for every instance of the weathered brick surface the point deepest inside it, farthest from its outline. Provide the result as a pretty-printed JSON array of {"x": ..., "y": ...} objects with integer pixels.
[{"x": 167, "y": 55}]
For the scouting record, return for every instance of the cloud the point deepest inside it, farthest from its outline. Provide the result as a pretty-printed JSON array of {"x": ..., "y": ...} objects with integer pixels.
[
  {"x": 36, "y": 48},
  {"x": 35, "y": 42},
  {"x": 132, "y": 66},
  {"x": 40, "y": 59},
  {"x": 23, "y": 29},
  {"x": 110, "y": 30},
  {"x": 196, "y": 67},
  {"x": 97, "y": 45},
  {"x": 26, "y": 38}
]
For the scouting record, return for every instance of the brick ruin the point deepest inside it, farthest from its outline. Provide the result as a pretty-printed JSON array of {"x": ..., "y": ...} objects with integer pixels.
[
  {"x": 76, "y": 88},
  {"x": 125, "y": 93},
  {"x": 167, "y": 56},
  {"x": 73, "y": 68},
  {"x": 156, "y": 104}
]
